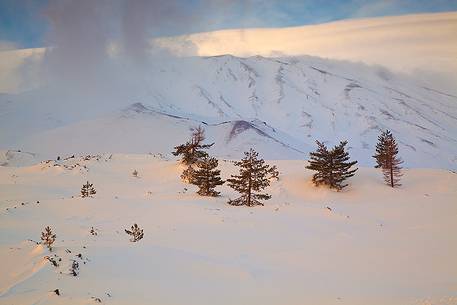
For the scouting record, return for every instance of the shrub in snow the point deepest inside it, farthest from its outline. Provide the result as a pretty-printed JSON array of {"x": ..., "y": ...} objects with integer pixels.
[
  {"x": 332, "y": 166},
  {"x": 74, "y": 269},
  {"x": 48, "y": 238},
  {"x": 253, "y": 177},
  {"x": 206, "y": 176},
  {"x": 387, "y": 160},
  {"x": 93, "y": 231},
  {"x": 135, "y": 232},
  {"x": 87, "y": 190},
  {"x": 53, "y": 260}
]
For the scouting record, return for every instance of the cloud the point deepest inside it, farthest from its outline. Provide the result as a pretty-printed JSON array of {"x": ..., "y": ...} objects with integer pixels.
[
  {"x": 403, "y": 44},
  {"x": 7, "y": 45},
  {"x": 85, "y": 35},
  {"x": 95, "y": 45}
]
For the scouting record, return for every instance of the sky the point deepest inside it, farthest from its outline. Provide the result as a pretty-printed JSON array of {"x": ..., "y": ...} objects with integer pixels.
[{"x": 26, "y": 23}]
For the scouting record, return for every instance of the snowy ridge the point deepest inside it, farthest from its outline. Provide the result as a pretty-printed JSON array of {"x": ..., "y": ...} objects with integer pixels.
[{"x": 272, "y": 102}]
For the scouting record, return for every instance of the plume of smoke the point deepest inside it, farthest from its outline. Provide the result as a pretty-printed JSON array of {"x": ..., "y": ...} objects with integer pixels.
[
  {"x": 94, "y": 48},
  {"x": 97, "y": 47},
  {"x": 78, "y": 38}
]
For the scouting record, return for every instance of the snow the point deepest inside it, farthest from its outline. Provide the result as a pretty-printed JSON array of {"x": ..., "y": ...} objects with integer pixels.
[
  {"x": 286, "y": 102},
  {"x": 423, "y": 45},
  {"x": 369, "y": 244}
]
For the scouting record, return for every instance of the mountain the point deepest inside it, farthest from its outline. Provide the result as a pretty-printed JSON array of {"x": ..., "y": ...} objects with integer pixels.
[
  {"x": 423, "y": 45},
  {"x": 278, "y": 105}
]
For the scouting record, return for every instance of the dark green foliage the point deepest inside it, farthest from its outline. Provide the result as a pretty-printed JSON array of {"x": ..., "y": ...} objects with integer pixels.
[
  {"x": 87, "y": 190},
  {"x": 380, "y": 155},
  {"x": 273, "y": 172},
  {"x": 386, "y": 158},
  {"x": 187, "y": 174},
  {"x": 192, "y": 150},
  {"x": 135, "y": 232},
  {"x": 206, "y": 176},
  {"x": 253, "y": 177},
  {"x": 48, "y": 238},
  {"x": 332, "y": 166}
]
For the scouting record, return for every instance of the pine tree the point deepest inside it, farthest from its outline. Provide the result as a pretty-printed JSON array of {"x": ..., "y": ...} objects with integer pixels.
[
  {"x": 342, "y": 165},
  {"x": 380, "y": 149},
  {"x": 87, "y": 190},
  {"x": 135, "y": 232},
  {"x": 332, "y": 166},
  {"x": 387, "y": 160},
  {"x": 206, "y": 176},
  {"x": 319, "y": 161},
  {"x": 192, "y": 150},
  {"x": 253, "y": 177},
  {"x": 48, "y": 237}
]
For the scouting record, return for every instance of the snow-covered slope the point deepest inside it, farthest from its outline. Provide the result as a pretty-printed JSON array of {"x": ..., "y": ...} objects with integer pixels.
[
  {"x": 280, "y": 106},
  {"x": 417, "y": 44},
  {"x": 370, "y": 244}
]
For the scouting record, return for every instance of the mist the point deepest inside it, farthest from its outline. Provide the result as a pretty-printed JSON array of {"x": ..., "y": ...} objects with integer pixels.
[{"x": 100, "y": 51}]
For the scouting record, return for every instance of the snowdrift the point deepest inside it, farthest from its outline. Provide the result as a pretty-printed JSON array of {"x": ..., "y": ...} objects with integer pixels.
[{"x": 369, "y": 244}]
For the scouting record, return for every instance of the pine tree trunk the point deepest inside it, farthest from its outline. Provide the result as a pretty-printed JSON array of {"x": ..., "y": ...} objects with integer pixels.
[
  {"x": 390, "y": 157},
  {"x": 331, "y": 181},
  {"x": 391, "y": 175},
  {"x": 249, "y": 191},
  {"x": 207, "y": 182}
]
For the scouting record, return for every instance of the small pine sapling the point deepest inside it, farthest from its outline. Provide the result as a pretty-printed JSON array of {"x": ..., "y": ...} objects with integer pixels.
[
  {"x": 135, "y": 232},
  {"x": 74, "y": 269},
  {"x": 206, "y": 176},
  {"x": 87, "y": 190},
  {"x": 53, "y": 261},
  {"x": 93, "y": 231},
  {"x": 48, "y": 238},
  {"x": 252, "y": 179}
]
